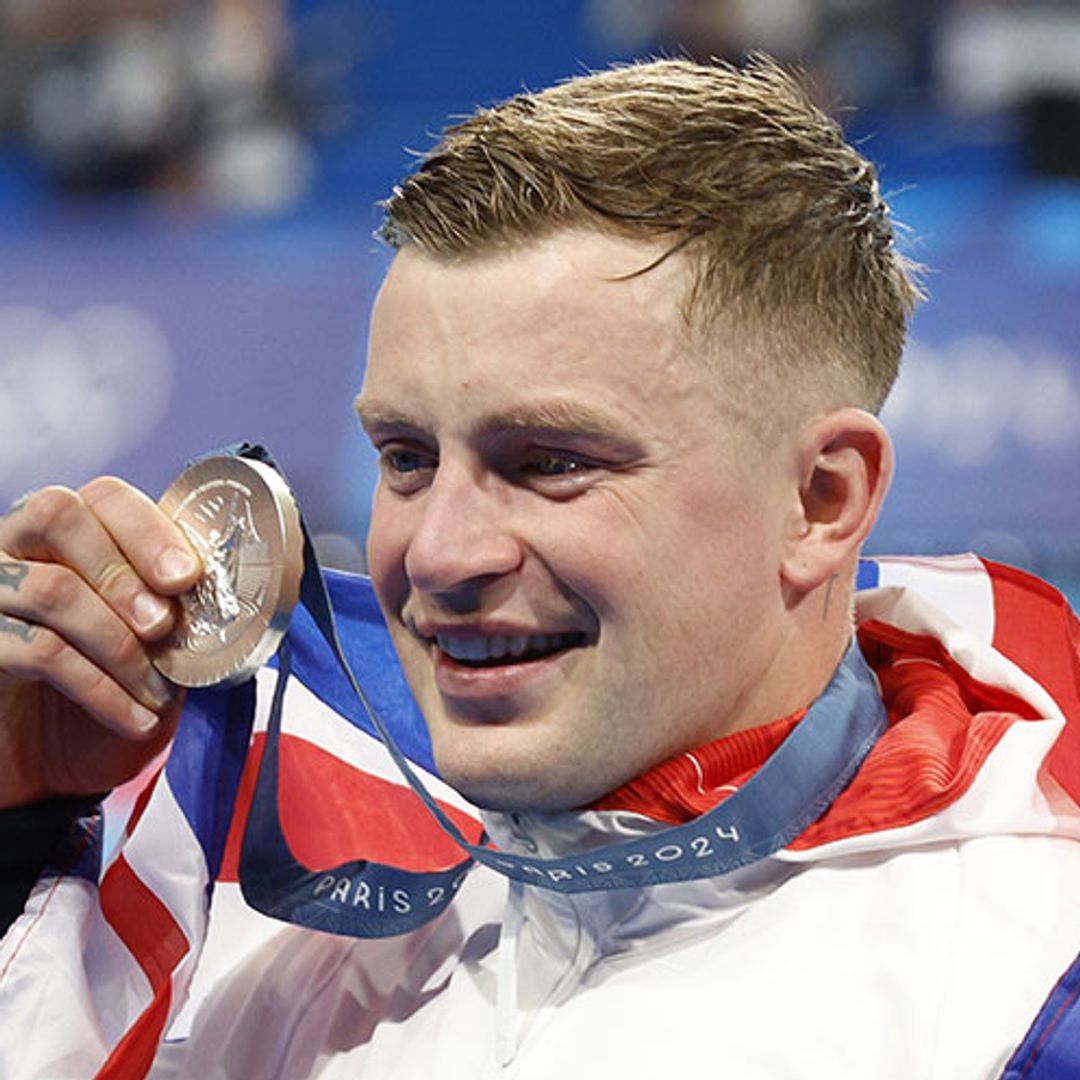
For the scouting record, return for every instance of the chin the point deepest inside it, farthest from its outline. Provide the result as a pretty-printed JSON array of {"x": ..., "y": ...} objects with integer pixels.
[
  {"x": 529, "y": 763},
  {"x": 503, "y": 792},
  {"x": 503, "y": 787}
]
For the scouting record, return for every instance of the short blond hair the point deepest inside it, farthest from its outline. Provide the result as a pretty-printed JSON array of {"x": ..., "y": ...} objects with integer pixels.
[{"x": 786, "y": 235}]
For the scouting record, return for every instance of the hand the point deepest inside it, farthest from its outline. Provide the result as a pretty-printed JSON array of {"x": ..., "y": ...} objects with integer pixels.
[{"x": 86, "y": 581}]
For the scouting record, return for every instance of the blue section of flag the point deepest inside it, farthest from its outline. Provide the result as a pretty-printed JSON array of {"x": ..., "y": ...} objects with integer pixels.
[
  {"x": 869, "y": 574},
  {"x": 206, "y": 761},
  {"x": 1051, "y": 1048},
  {"x": 367, "y": 647},
  {"x": 79, "y": 852}
]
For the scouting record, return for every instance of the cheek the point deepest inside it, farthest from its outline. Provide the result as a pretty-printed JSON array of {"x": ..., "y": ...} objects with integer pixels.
[
  {"x": 387, "y": 543},
  {"x": 603, "y": 566},
  {"x": 609, "y": 546},
  {"x": 708, "y": 576}
]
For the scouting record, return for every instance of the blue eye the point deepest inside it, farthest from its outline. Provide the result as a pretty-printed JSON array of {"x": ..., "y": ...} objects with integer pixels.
[
  {"x": 404, "y": 469},
  {"x": 402, "y": 460}
]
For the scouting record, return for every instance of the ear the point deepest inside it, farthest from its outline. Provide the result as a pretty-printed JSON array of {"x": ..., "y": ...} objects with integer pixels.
[{"x": 844, "y": 463}]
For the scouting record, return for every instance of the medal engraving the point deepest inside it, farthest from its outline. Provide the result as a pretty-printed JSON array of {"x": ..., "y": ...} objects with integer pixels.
[{"x": 240, "y": 519}]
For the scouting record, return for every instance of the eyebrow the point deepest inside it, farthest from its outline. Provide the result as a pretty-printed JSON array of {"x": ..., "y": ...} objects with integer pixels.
[
  {"x": 556, "y": 415},
  {"x": 373, "y": 415}
]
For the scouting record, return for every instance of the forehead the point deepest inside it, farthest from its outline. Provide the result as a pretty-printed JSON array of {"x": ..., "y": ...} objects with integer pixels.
[
  {"x": 569, "y": 310},
  {"x": 571, "y": 278}
]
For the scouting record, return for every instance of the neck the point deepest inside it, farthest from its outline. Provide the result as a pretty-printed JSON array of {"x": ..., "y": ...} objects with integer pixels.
[{"x": 815, "y": 631}]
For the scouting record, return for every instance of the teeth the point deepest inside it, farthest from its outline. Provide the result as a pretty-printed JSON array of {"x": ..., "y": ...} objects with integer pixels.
[
  {"x": 464, "y": 648},
  {"x": 480, "y": 647}
]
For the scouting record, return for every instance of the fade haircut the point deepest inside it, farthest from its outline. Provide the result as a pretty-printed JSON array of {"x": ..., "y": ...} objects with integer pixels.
[{"x": 789, "y": 245}]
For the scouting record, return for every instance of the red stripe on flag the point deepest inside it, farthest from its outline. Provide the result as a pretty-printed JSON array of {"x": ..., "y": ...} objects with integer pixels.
[
  {"x": 1036, "y": 629},
  {"x": 134, "y": 1053},
  {"x": 142, "y": 922},
  {"x": 245, "y": 792},
  {"x": 142, "y": 800},
  {"x": 333, "y": 812},
  {"x": 154, "y": 938}
]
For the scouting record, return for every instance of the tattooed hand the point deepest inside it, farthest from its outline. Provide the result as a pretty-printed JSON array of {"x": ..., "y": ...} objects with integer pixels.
[{"x": 86, "y": 581}]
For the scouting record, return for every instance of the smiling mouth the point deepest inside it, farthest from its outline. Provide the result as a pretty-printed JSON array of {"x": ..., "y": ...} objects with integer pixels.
[{"x": 494, "y": 650}]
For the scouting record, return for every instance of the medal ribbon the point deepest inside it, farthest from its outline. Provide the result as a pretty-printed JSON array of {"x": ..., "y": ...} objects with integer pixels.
[{"x": 362, "y": 898}]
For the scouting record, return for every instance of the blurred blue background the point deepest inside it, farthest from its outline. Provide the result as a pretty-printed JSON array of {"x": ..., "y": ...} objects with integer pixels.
[{"x": 187, "y": 202}]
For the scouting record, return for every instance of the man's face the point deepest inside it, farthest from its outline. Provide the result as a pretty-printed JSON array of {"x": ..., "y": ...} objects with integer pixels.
[{"x": 577, "y": 564}]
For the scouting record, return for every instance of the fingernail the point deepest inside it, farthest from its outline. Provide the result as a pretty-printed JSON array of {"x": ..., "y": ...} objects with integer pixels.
[
  {"x": 149, "y": 610},
  {"x": 142, "y": 719},
  {"x": 160, "y": 689},
  {"x": 175, "y": 563}
]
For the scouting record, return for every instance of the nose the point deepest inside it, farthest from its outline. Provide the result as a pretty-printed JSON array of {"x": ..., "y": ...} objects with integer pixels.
[{"x": 462, "y": 538}]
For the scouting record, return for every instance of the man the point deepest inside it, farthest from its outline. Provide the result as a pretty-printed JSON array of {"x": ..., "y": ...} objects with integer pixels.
[{"x": 623, "y": 380}]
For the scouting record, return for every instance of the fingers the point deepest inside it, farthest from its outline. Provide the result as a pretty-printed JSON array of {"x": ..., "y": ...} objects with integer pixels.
[
  {"x": 113, "y": 538},
  {"x": 158, "y": 550},
  {"x": 54, "y": 628},
  {"x": 86, "y": 580},
  {"x": 35, "y": 653}
]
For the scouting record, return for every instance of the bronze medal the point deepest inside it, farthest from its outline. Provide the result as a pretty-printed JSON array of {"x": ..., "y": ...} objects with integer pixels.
[{"x": 241, "y": 520}]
